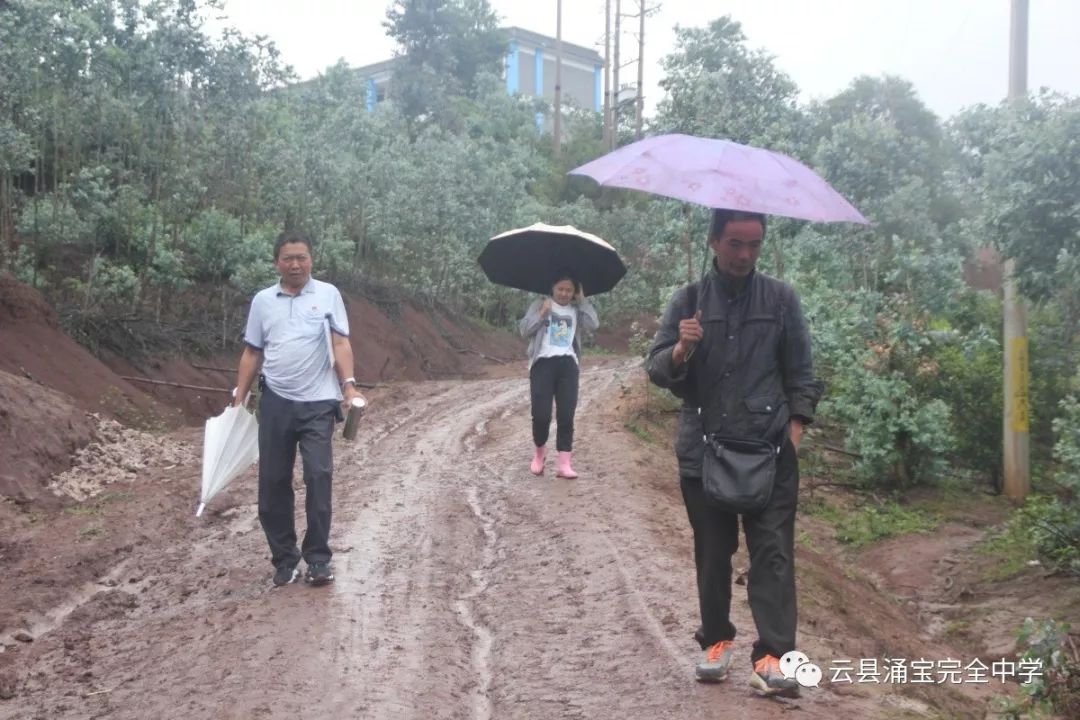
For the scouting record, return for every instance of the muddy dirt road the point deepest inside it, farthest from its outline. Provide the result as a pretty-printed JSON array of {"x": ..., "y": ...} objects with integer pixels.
[{"x": 466, "y": 588}]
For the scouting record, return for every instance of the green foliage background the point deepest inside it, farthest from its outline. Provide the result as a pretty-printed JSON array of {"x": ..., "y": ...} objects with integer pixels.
[{"x": 145, "y": 168}]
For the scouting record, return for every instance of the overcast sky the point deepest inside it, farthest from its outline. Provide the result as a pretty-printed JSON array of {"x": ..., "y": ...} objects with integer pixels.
[{"x": 956, "y": 52}]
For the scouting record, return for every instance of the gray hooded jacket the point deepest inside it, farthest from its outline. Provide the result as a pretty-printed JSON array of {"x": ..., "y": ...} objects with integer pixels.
[{"x": 532, "y": 326}]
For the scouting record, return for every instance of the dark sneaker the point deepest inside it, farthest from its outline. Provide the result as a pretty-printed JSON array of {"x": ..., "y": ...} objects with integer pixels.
[
  {"x": 286, "y": 574},
  {"x": 319, "y": 573},
  {"x": 714, "y": 667},
  {"x": 768, "y": 678}
]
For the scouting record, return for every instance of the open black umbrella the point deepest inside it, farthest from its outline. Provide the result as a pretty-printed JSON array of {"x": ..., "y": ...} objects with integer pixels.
[{"x": 532, "y": 258}]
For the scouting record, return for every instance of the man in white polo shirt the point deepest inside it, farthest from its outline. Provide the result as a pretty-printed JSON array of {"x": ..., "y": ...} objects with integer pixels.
[{"x": 295, "y": 329}]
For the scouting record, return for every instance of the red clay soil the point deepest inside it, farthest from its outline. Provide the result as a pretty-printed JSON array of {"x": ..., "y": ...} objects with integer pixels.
[
  {"x": 392, "y": 341},
  {"x": 40, "y": 429},
  {"x": 33, "y": 346},
  {"x": 467, "y": 587},
  {"x": 618, "y": 337}
]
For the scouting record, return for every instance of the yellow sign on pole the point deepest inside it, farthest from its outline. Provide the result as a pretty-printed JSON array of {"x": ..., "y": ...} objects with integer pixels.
[{"x": 1019, "y": 406}]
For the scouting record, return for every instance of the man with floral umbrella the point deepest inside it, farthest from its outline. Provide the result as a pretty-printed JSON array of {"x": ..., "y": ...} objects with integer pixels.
[{"x": 736, "y": 349}]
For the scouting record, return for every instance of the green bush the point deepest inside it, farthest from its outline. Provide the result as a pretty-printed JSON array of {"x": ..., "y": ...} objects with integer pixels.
[
  {"x": 1055, "y": 688},
  {"x": 900, "y": 436},
  {"x": 964, "y": 371}
]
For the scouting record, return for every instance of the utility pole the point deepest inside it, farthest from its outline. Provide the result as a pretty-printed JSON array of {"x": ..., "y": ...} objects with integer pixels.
[
  {"x": 614, "y": 139},
  {"x": 1016, "y": 451},
  {"x": 1018, "y": 50},
  {"x": 558, "y": 78},
  {"x": 640, "y": 70},
  {"x": 607, "y": 74}
]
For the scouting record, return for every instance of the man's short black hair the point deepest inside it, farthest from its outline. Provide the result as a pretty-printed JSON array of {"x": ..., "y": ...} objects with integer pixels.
[
  {"x": 292, "y": 236},
  {"x": 722, "y": 216}
]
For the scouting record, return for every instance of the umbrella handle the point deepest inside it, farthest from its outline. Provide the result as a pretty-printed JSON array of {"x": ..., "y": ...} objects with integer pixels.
[
  {"x": 329, "y": 339},
  {"x": 202, "y": 506}
]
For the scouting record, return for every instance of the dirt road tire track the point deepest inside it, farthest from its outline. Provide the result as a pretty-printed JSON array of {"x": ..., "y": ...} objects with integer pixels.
[{"x": 467, "y": 588}]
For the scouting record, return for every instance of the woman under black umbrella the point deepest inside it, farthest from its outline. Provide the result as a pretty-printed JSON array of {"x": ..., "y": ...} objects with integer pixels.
[{"x": 553, "y": 325}]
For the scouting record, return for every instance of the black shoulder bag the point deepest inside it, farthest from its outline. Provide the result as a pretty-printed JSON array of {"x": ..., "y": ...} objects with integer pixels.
[{"x": 737, "y": 473}]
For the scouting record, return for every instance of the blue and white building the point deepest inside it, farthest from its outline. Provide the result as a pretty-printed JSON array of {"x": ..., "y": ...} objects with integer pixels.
[{"x": 529, "y": 71}]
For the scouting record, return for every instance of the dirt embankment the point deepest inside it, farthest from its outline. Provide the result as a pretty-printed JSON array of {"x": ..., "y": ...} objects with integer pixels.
[{"x": 55, "y": 395}]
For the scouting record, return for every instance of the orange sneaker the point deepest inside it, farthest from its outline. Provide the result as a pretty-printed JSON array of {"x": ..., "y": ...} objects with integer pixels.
[
  {"x": 714, "y": 667},
  {"x": 769, "y": 679}
]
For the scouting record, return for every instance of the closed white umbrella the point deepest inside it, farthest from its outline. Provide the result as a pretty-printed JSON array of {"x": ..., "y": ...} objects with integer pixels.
[{"x": 230, "y": 446}]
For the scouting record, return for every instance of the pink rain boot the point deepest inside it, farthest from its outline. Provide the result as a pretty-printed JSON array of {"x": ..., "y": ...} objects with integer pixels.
[
  {"x": 563, "y": 468},
  {"x": 537, "y": 465}
]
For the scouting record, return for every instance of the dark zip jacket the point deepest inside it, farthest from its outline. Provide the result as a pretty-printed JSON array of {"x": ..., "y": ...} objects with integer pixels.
[{"x": 752, "y": 370}]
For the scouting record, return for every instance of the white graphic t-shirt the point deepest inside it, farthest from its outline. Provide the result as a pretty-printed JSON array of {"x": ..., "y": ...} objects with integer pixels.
[{"x": 559, "y": 334}]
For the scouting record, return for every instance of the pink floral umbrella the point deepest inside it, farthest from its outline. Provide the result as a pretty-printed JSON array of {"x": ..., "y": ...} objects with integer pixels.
[{"x": 722, "y": 174}]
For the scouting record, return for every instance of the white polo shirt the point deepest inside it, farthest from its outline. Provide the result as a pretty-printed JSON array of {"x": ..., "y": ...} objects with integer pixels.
[{"x": 293, "y": 332}]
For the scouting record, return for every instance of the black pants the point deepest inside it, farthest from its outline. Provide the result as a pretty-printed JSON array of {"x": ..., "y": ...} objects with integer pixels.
[
  {"x": 770, "y": 538},
  {"x": 284, "y": 425},
  {"x": 554, "y": 378}
]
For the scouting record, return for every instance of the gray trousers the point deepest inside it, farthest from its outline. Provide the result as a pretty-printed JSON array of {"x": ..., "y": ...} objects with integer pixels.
[
  {"x": 285, "y": 425},
  {"x": 770, "y": 538}
]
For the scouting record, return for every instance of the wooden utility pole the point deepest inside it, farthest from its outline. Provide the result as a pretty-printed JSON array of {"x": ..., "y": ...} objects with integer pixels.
[
  {"x": 1016, "y": 451},
  {"x": 607, "y": 73},
  {"x": 558, "y": 78},
  {"x": 614, "y": 140},
  {"x": 640, "y": 70}
]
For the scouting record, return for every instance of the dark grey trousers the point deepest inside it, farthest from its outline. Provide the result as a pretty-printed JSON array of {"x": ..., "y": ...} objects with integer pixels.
[
  {"x": 770, "y": 539},
  {"x": 285, "y": 425},
  {"x": 554, "y": 378}
]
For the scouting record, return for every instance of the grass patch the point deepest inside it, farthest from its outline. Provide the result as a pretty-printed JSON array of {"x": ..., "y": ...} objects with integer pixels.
[
  {"x": 652, "y": 419},
  {"x": 34, "y": 516},
  {"x": 92, "y": 531},
  {"x": 659, "y": 400},
  {"x": 959, "y": 499},
  {"x": 598, "y": 351},
  {"x": 1045, "y": 528},
  {"x": 1012, "y": 549},
  {"x": 861, "y": 526},
  {"x": 97, "y": 506},
  {"x": 86, "y": 509},
  {"x": 805, "y": 539},
  {"x": 640, "y": 431},
  {"x": 115, "y": 403},
  {"x": 115, "y": 496}
]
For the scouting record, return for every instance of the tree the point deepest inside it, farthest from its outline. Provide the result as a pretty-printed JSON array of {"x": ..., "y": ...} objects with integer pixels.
[
  {"x": 445, "y": 46},
  {"x": 1020, "y": 172},
  {"x": 1023, "y": 174},
  {"x": 888, "y": 98},
  {"x": 717, "y": 87}
]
